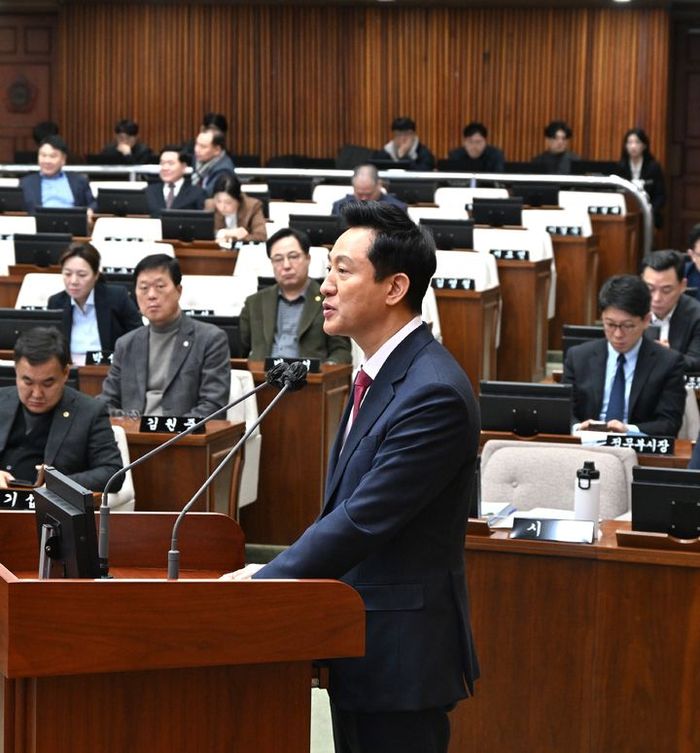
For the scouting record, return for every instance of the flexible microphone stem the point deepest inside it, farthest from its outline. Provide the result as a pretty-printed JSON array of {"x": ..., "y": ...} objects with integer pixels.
[
  {"x": 103, "y": 540},
  {"x": 174, "y": 554}
]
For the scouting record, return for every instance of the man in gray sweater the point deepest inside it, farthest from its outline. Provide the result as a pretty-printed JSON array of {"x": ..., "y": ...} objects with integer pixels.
[{"x": 177, "y": 366}]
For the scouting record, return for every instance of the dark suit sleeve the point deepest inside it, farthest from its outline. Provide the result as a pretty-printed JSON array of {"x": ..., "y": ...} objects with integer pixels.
[
  {"x": 82, "y": 193},
  {"x": 569, "y": 377},
  {"x": 424, "y": 161},
  {"x": 103, "y": 457},
  {"x": 668, "y": 412},
  {"x": 215, "y": 383},
  {"x": 112, "y": 385},
  {"x": 432, "y": 430},
  {"x": 244, "y": 328},
  {"x": 128, "y": 314}
]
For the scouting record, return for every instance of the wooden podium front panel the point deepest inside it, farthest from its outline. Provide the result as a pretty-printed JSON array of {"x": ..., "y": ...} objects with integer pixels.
[
  {"x": 617, "y": 245},
  {"x": 296, "y": 440},
  {"x": 525, "y": 326},
  {"x": 469, "y": 322},
  {"x": 583, "y": 648},
  {"x": 204, "y": 258},
  {"x": 576, "y": 261},
  {"x": 9, "y": 288}
]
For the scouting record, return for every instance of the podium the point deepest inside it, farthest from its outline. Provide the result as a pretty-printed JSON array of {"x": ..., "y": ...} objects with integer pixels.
[{"x": 141, "y": 664}]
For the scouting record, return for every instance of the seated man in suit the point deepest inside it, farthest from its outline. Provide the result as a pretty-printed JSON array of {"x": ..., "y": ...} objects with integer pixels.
[
  {"x": 43, "y": 422},
  {"x": 395, "y": 509},
  {"x": 126, "y": 147},
  {"x": 476, "y": 154},
  {"x": 211, "y": 160},
  {"x": 676, "y": 313},
  {"x": 286, "y": 319},
  {"x": 627, "y": 381},
  {"x": 51, "y": 186},
  {"x": 366, "y": 186},
  {"x": 176, "y": 366},
  {"x": 173, "y": 190},
  {"x": 556, "y": 159},
  {"x": 405, "y": 146}
]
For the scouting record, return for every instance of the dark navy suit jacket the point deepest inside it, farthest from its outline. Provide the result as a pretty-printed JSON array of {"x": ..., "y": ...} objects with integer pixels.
[
  {"x": 393, "y": 528},
  {"x": 116, "y": 313},
  {"x": 82, "y": 195},
  {"x": 188, "y": 197}
]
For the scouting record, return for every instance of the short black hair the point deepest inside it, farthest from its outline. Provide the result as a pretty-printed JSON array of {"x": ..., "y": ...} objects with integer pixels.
[
  {"x": 474, "y": 127},
  {"x": 159, "y": 261},
  {"x": 628, "y": 293},
  {"x": 694, "y": 236},
  {"x": 399, "y": 245},
  {"x": 129, "y": 127},
  {"x": 664, "y": 259},
  {"x": 229, "y": 184},
  {"x": 215, "y": 120},
  {"x": 403, "y": 123},
  {"x": 553, "y": 126},
  {"x": 41, "y": 344},
  {"x": 288, "y": 232},
  {"x": 182, "y": 157},
  {"x": 56, "y": 142}
]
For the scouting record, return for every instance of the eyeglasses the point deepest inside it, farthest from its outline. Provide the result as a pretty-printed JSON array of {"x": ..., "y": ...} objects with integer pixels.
[
  {"x": 279, "y": 260},
  {"x": 664, "y": 290},
  {"x": 624, "y": 327}
]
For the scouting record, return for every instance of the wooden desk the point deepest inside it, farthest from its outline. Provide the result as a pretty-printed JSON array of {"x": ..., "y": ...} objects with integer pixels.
[
  {"x": 522, "y": 352},
  {"x": 296, "y": 443},
  {"x": 576, "y": 261},
  {"x": 191, "y": 665},
  {"x": 469, "y": 320},
  {"x": 617, "y": 245},
  {"x": 681, "y": 458},
  {"x": 204, "y": 258},
  {"x": 583, "y": 649}
]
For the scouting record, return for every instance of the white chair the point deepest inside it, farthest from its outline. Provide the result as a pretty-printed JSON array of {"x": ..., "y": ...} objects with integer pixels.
[
  {"x": 9, "y": 182},
  {"x": 222, "y": 294},
  {"x": 127, "y": 228},
  {"x": 543, "y": 474},
  {"x": 127, "y": 254},
  {"x": 326, "y": 195},
  {"x": 279, "y": 211},
  {"x": 690, "y": 428},
  {"x": 36, "y": 288},
  {"x": 122, "y": 185},
  {"x": 10, "y": 225},
  {"x": 481, "y": 268},
  {"x": 7, "y": 255},
  {"x": 593, "y": 199},
  {"x": 541, "y": 219},
  {"x": 437, "y": 213},
  {"x": 242, "y": 382},
  {"x": 253, "y": 262},
  {"x": 456, "y": 198},
  {"x": 123, "y": 500},
  {"x": 255, "y": 189}
]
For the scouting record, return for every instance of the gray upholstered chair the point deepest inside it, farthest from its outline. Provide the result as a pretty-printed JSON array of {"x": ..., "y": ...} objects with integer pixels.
[{"x": 543, "y": 474}]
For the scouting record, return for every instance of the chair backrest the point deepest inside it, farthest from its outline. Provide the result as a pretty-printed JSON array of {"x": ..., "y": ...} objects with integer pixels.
[
  {"x": 121, "y": 185},
  {"x": 279, "y": 211},
  {"x": 222, "y": 294},
  {"x": 242, "y": 382},
  {"x": 7, "y": 255},
  {"x": 124, "y": 499},
  {"x": 593, "y": 199},
  {"x": 481, "y": 268},
  {"x": 541, "y": 219},
  {"x": 449, "y": 197},
  {"x": 9, "y": 182},
  {"x": 127, "y": 254},
  {"x": 690, "y": 428},
  {"x": 536, "y": 242},
  {"x": 326, "y": 195},
  {"x": 543, "y": 474},
  {"x": 10, "y": 225},
  {"x": 123, "y": 228},
  {"x": 437, "y": 213},
  {"x": 36, "y": 288}
]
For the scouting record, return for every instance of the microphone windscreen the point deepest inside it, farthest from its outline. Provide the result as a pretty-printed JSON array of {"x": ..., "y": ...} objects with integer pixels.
[
  {"x": 276, "y": 375},
  {"x": 296, "y": 376}
]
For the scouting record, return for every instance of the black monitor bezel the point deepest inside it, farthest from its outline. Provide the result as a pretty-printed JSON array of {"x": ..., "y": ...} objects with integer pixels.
[
  {"x": 74, "y": 220},
  {"x": 462, "y": 228},
  {"x": 121, "y": 201},
  {"x": 321, "y": 229},
  {"x": 509, "y": 212},
  {"x": 187, "y": 225},
  {"x": 666, "y": 500}
]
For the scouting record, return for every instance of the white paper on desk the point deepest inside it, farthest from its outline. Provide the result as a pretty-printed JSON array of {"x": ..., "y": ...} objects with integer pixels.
[{"x": 553, "y": 513}]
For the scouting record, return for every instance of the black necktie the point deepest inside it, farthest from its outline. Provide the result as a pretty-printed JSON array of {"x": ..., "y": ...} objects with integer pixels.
[{"x": 616, "y": 404}]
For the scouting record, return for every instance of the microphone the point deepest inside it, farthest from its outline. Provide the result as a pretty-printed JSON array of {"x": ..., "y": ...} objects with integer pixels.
[
  {"x": 294, "y": 379},
  {"x": 276, "y": 376}
]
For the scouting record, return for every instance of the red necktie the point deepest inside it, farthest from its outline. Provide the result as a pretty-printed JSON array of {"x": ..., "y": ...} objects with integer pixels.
[{"x": 362, "y": 384}]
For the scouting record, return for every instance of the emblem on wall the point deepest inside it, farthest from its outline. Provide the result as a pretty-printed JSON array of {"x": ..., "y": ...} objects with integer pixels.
[{"x": 20, "y": 95}]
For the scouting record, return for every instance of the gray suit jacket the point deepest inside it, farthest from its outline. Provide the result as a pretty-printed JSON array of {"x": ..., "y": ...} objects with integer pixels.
[
  {"x": 199, "y": 376},
  {"x": 259, "y": 320},
  {"x": 81, "y": 442}
]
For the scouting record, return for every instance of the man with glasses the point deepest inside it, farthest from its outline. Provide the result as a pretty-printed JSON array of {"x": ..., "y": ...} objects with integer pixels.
[
  {"x": 677, "y": 314},
  {"x": 626, "y": 381},
  {"x": 286, "y": 319}
]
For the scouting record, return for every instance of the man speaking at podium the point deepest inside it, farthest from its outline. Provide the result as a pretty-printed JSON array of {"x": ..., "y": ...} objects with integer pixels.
[{"x": 395, "y": 508}]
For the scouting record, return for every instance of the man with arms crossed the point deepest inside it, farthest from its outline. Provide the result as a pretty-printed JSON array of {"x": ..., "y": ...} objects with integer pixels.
[{"x": 395, "y": 508}]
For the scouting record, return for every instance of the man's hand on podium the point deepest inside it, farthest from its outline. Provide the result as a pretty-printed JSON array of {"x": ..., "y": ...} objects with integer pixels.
[{"x": 245, "y": 573}]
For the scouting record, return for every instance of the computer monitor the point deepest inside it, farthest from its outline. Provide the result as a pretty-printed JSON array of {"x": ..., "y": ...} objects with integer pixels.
[
  {"x": 594, "y": 167},
  {"x": 536, "y": 194},
  {"x": 414, "y": 191},
  {"x": 40, "y": 249},
  {"x": 450, "y": 233},
  {"x": 187, "y": 224},
  {"x": 65, "y": 524},
  {"x": 291, "y": 189},
  {"x": 523, "y": 168},
  {"x": 122, "y": 201},
  {"x": 497, "y": 212},
  {"x": 7, "y": 377},
  {"x": 11, "y": 199},
  {"x": 13, "y": 322},
  {"x": 666, "y": 500},
  {"x": 526, "y": 408},
  {"x": 321, "y": 229},
  {"x": 231, "y": 327},
  {"x": 115, "y": 158},
  {"x": 386, "y": 163},
  {"x": 71, "y": 220}
]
